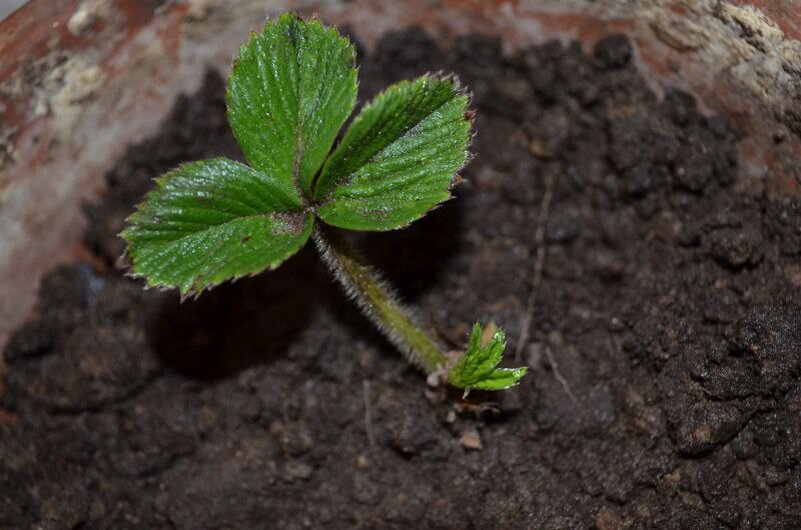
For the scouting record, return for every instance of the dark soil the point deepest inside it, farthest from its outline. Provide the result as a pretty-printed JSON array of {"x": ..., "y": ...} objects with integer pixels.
[{"x": 666, "y": 354}]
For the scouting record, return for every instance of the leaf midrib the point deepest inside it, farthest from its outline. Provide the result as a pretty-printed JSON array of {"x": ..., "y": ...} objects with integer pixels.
[
  {"x": 235, "y": 219},
  {"x": 298, "y": 138}
]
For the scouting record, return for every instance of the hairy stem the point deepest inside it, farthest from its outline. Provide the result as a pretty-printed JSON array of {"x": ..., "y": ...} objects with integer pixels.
[{"x": 378, "y": 301}]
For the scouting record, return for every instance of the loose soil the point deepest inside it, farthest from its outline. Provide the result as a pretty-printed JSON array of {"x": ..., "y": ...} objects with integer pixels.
[{"x": 665, "y": 349}]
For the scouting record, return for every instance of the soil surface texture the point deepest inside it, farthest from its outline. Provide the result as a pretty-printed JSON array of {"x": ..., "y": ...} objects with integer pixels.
[{"x": 664, "y": 345}]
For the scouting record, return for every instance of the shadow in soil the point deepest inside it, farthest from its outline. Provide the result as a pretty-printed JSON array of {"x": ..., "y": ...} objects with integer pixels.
[
  {"x": 236, "y": 325},
  {"x": 417, "y": 257}
]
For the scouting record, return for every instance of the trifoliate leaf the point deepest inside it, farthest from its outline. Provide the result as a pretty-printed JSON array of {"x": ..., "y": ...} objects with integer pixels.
[
  {"x": 291, "y": 89},
  {"x": 398, "y": 158},
  {"x": 211, "y": 221},
  {"x": 477, "y": 367}
]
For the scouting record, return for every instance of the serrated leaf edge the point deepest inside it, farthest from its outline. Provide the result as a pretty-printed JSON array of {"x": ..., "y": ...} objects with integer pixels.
[
  {"x": 194, "y": 293},
  {"x": 306, "y": 199},
  {"x": 459, "y": 90}
]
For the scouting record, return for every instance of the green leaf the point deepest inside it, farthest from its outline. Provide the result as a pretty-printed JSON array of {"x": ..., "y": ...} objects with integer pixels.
[
  {"x": 398, "y": 158},
  {"x": 211, "y": 221},
  {"x": 477, "y": 367},
  {"x": 290, "y": 91}
]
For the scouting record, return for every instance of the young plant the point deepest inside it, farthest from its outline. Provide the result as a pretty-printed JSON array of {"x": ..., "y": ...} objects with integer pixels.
[{"x": 290, "y": 91}]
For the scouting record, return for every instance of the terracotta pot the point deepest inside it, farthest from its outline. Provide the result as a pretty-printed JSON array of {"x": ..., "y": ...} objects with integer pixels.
[{"x": 81, "y": 80}]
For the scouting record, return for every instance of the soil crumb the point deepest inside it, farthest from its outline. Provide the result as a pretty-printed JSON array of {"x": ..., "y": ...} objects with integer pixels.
[{"x": 669, "y": 300}]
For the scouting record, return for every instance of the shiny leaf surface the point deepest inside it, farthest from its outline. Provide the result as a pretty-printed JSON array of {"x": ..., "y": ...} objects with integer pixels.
[
  {"x": 291, "y": 89},
  {"x": 398, "y": 158},
  {"x": 211, "y": 221}
]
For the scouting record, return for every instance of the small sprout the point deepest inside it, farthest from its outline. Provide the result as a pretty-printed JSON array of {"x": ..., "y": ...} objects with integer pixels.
[
  {"x": 291, "y": 89},
  {"x": 477, "y": 368}
]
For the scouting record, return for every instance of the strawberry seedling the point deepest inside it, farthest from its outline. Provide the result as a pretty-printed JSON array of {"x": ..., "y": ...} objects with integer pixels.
[{"x": 290, "y": 91}]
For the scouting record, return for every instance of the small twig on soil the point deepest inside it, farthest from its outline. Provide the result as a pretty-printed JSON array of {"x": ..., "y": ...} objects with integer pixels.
[
  {"x": 558, "y": 375},
  {"x": 368, "y": 415},
  {"x": 539, "y": 264}
]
